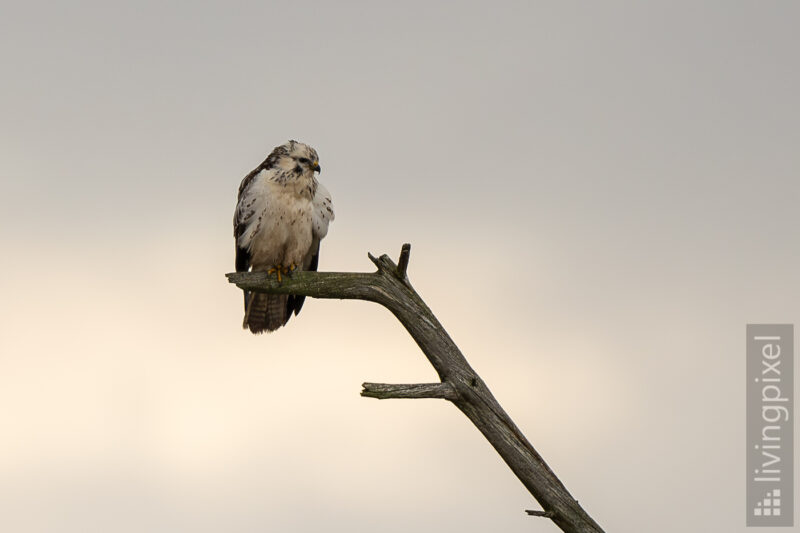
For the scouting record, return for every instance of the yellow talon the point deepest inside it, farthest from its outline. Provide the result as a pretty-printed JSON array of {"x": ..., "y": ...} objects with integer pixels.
[
  {"x": 280, "y": 269},
  {"x": 277, "y": 271}
]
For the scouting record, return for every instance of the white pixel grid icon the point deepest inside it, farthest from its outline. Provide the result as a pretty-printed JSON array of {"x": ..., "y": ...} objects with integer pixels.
[{"x": 770, "y": 505}]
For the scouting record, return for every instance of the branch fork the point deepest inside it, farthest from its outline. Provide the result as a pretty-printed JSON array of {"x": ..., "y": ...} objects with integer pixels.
[{"x": 385, "y": 263}]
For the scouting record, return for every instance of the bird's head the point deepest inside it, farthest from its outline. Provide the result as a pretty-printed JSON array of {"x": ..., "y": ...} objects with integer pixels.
[{"x": 297, "y": 157}]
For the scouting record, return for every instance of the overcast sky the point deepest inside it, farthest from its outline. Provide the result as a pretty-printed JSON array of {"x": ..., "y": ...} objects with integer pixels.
[{"x": 599, "y": 196}]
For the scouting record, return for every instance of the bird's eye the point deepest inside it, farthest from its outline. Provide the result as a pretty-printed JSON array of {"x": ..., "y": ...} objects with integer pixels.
[{"x": 303, "y": 160}]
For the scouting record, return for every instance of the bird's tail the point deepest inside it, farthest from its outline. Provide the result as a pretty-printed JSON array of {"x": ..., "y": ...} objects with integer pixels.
[{"x": 265, "y": 312}]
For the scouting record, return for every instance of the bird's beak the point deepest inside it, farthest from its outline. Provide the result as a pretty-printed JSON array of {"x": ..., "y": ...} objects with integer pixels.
[{"x": 317, "y": 167}]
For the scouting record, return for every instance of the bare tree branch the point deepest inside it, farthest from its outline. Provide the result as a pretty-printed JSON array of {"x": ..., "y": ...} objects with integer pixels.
[
  {"x": 460, "y": 384},
  {"x": 383, "y": 391},
  {"x": 402, "y": 262}
]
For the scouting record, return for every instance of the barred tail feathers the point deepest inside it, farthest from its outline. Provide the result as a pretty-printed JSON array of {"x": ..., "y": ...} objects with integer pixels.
[{"x": 266, "y": 312}]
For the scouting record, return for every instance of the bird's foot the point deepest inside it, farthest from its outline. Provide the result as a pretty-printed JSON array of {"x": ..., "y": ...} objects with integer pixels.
[{"x": 278, "y": 270}]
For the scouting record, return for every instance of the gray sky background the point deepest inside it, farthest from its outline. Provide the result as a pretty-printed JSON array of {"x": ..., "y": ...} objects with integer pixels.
[{"x": 599, "y": 196}]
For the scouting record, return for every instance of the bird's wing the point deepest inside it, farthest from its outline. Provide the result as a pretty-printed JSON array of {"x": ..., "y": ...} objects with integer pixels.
[
  {"x": 321, "y": 216},
  {"x": 251, "y": 207},
  {"x": 322, "y": 213}
]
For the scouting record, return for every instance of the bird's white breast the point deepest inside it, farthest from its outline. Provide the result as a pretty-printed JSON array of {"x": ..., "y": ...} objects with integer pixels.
[{"x": 281, "y": 230}]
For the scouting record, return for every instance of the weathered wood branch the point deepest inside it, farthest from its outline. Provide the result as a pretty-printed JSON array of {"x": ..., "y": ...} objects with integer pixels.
[
  {"x": 383, "y": 391},
  {"x": 402, "y": 262},
  {"x": 460, "y": 384},
  {"x": 545, "y": 514}
]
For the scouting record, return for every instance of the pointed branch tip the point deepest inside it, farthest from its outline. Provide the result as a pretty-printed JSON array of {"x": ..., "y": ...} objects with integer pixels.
[{"x": 402, "y": 262}]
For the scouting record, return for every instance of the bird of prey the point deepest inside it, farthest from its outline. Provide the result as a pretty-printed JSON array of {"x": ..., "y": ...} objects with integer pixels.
[{"x": 282, "y": 214}]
